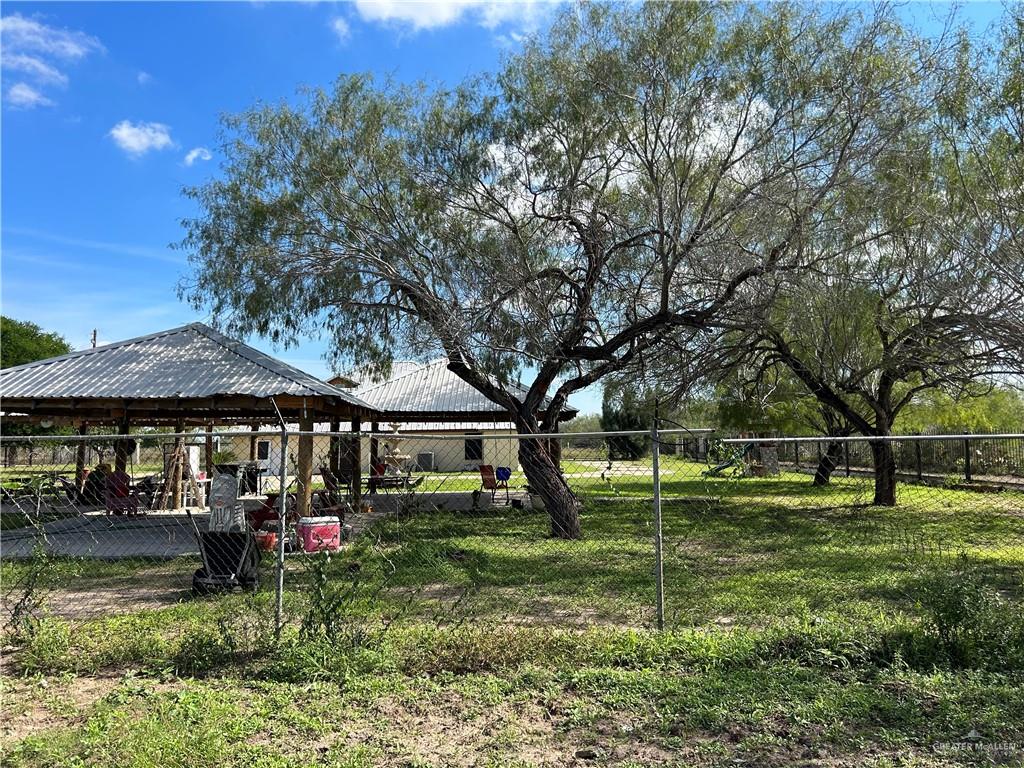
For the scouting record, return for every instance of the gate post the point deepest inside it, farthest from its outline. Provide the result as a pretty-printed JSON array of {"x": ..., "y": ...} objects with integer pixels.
[
  {"x": 659, "y": 574},
  {"x": 282, "y": 514}
]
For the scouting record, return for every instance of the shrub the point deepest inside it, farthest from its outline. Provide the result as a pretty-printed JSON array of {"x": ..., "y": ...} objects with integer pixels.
[{"x": 967, "y": 619}]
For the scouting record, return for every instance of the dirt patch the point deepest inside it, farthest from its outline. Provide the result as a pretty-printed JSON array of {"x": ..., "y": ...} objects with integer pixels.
[
  {"x": 452, "y": 731},
  {"x": 31, "y": 705}
]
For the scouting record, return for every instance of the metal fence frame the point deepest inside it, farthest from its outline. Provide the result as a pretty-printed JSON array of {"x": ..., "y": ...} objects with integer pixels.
[{"x": 656, "y": 435}]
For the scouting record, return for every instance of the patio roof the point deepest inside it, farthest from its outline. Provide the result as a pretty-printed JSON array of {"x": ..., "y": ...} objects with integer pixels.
[{"x": 191, "y": 373}]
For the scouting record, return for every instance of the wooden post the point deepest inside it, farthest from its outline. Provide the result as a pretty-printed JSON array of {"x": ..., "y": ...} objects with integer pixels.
[
  {"x": 304, "y": 491},
  {"x": 176, "y": 466},
  {"x": 355, "y": 458},
  {"x": 252, "y": 441},
  {"x": 334, "y": 454},
  {"x": 80, "y": 452},
  {"x": 120, "y": 452},
  {"x": 374, "y": 455},
  {"x": 208, "y": 451}
]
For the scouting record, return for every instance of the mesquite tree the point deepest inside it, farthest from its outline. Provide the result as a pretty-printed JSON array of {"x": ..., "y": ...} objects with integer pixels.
[
  {"x": 609, "y": 187},
  {"x": 915, "y": 284}
]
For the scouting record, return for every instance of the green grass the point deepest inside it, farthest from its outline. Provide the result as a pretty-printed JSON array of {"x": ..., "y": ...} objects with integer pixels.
[
  {"x": 804, "y": 628},
  {"x": 514, "y": 696}
]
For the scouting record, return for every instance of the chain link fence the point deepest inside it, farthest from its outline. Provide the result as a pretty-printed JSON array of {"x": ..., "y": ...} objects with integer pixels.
[{"x": 677, "y": 528}]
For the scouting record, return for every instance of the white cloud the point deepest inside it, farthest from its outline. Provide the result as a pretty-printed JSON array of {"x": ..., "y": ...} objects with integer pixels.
[
  {"x": 34, "y": 49},
  {"x": 198, "y": 153},
  {"x": 24, "y": 96},
  {"x": 144, "y": 78},
  {"x": 440, "y": 13},
  {"x": 139, "y": 138},
  {"x": 35, "y": 68},
  {"x": 23, "y": 34},
  {"x": 341, "y": 29}
]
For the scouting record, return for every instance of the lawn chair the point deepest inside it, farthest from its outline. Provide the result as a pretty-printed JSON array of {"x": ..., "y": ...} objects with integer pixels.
[
  {"x": 119, "y": 497},
  {"x": 494, "y": 481}
]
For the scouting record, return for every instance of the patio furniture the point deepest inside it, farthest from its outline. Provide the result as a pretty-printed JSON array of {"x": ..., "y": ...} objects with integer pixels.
[
  {"x": 268, "y": 510},
  {"x": 119, "y": 497},
  {"x": 381, "y": 479},
  {"x": 494, "y": 481}
]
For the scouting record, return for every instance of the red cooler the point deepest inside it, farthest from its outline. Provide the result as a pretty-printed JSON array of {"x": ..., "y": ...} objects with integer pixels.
[{"x": 319, "y": 533}]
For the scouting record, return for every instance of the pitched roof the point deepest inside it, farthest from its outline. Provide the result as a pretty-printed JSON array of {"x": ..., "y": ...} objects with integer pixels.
[
  {"x": 431, "y": 391},
  {"x": 192, "y": 361}
]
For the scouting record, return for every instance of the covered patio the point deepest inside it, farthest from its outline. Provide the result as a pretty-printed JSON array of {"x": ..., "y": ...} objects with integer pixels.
[{"x": 182, "y": 378}]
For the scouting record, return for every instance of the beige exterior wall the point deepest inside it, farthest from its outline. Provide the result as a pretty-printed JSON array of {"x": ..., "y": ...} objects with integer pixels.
[{"x": 449, "y": 452}]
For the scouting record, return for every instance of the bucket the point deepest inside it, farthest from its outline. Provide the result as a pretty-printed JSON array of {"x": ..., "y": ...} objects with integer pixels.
[
  {"x": 319, "y": 533},
  {"x": 266, "y": 540}
]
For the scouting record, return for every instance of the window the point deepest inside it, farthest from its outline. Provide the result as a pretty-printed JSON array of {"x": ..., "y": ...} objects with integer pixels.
[
  {"x": 263, "y": 450},
  {"x": 475, "y": 447}
]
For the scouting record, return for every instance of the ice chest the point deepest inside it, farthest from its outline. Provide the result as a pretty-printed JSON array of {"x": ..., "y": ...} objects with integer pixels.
[{"x": 319, "y": 533}]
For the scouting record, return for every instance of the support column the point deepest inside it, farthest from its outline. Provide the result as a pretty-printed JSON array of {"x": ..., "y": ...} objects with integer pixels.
[
  {"x": 374, "y": 454},
  {"x": 334, "y": 461},
  {"x": 121, "y": 448},
  {"x": 208, "y": 451},
  {"x": 80, "y": 452},
  {"x": 304, "y": 490},
  {"x": 355, "y": 459},
  {"x": 252, "y": 441},
  {"x": 177, "y": 469}
]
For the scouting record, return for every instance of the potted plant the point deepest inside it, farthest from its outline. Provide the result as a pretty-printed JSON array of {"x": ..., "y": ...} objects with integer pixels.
[{"x": 536, "y": 500}]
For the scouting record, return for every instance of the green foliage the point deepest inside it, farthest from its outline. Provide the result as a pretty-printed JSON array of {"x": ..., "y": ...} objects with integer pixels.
[
  {"x": 973, "y": 625},
  {"x": 997, "y": 410},
  {"x": 25, "y": 342},
  {"x": 624, "y": 409},
  {"x": 681, "y": 146},
  {"x": 224, "y": 457}
]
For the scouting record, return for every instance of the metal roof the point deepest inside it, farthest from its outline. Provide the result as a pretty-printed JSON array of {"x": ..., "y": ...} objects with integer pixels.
[
  {"x": 431, "y": 390},
  {"x": 192, "y": 361}
]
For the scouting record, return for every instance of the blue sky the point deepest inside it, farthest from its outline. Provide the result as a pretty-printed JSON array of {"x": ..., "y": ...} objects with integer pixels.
[{"x": 109, "y": 109}]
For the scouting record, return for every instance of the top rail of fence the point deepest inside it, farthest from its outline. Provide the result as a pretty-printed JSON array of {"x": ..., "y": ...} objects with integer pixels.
[
  {"x": 461, "y": 435},
  {"x": 453, "y": 435},
  {"x": 873, "y": 439}
]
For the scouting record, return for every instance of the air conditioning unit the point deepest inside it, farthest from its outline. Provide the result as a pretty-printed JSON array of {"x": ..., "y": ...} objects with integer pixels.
[{"x": 425, "y": 461}]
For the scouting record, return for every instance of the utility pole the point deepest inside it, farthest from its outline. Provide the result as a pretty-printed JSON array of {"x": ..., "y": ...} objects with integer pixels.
[{"x": 94, "y": 338}]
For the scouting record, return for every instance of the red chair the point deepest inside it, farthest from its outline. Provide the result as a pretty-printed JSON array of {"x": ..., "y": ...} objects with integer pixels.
[
  {"x": 119, "y": 497},
  {"x": 489, "y": 481}
]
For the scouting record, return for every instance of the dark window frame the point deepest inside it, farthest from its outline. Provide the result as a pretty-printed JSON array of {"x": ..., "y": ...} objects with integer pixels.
[{"x": 473, "y": 447}]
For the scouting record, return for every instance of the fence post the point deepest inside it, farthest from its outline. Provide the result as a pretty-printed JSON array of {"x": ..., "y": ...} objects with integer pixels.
[
  {"x": 796, "y": 453},
  {"x": 846, "y": 455},
  {"x": 659, "y": 574},
  {"x": 917, "y": 460},
  {"x": 967, "y": 459},
  {"x": 282, "y": 514}
]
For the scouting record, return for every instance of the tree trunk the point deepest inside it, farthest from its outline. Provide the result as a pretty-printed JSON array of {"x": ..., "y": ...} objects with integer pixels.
[
  {"x": 828, "y": 463},
  {"x": 885, "y": 474},
  {"x": 544, "y": 479}
]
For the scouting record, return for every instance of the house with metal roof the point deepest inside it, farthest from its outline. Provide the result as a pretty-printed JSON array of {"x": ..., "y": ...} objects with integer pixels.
[{"x": 420, "y": 399}]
